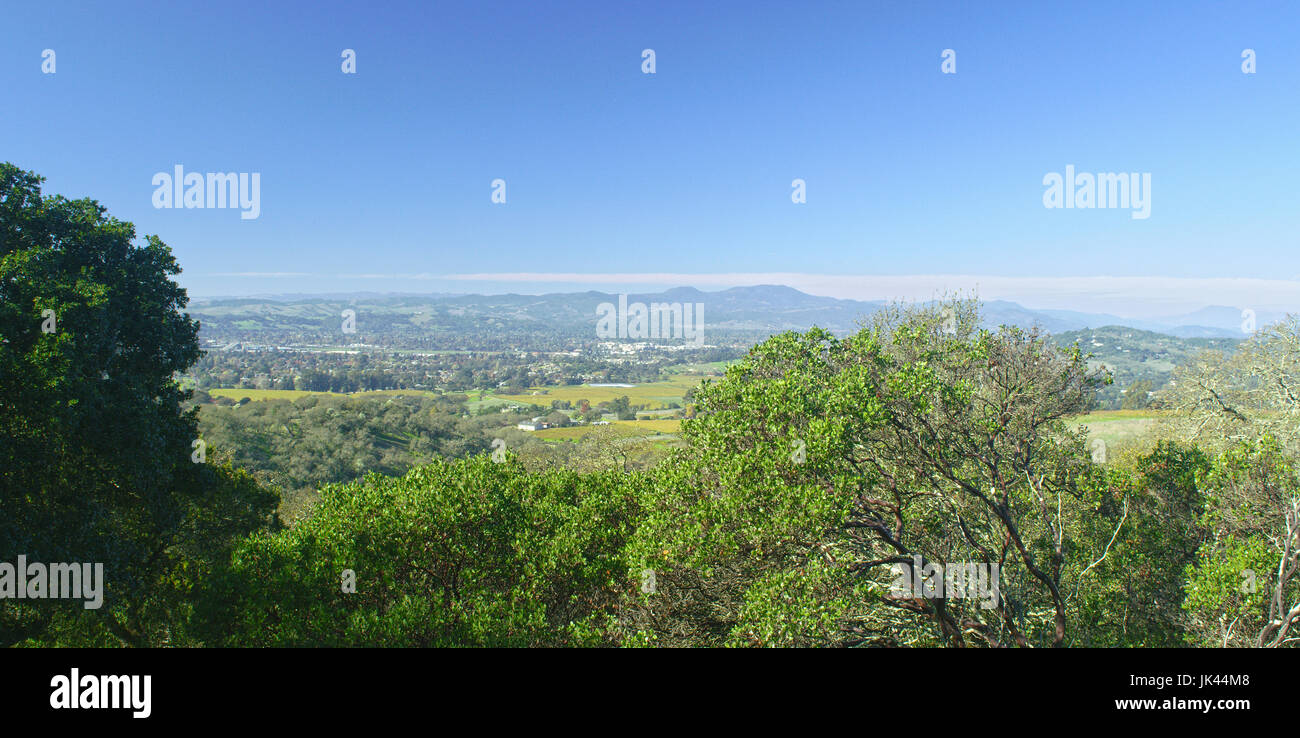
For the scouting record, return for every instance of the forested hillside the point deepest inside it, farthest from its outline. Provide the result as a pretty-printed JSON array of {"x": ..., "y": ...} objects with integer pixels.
[{"x": 1141, "y": 362}]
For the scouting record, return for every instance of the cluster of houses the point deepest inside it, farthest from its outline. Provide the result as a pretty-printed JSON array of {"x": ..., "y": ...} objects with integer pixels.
[
  {"x": 536, "y": 424},
  {"x": 539, "y": 423}
]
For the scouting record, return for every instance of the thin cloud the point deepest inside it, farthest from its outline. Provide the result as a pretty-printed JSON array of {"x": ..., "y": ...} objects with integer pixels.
[{"x": 260, "y": 275}]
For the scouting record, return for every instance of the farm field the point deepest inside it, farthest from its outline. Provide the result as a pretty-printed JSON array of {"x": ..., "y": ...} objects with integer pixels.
[
  {"x": 257, "y": 394},
  {"x": 1116, "y": 427},
  {"x": 479, "y": 399},
  {"x": 1121, "y": 427},
  {"x": 655, "y": 395}
]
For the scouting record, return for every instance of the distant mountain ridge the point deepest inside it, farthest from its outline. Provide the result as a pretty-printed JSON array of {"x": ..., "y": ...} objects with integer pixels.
[{"x": 757, "y": 308}]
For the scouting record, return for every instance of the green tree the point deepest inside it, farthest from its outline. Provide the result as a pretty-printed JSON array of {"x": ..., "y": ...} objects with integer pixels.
[
  {"x": 817, "y": 465},
  {"x": 1137, "y": 395},
  {"x": 1145, "y": 531},
  {"x": 95, "y": 447},
  {"x": 1221, "y": 399},
  {"x": 460, "y": 553},
  {"x": 622, "y": 408},
  {"x": 1245, "y": 587}
]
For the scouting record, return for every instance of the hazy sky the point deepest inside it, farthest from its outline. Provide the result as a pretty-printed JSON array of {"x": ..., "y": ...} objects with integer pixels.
[{"x": 382, "y": 180}]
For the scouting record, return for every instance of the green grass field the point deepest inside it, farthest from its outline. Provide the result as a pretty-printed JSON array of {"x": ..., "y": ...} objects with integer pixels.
[
  {"x": 654, "y": 395},
  {"x": 1121, "y": 427},
  {"x": 479, "y": 399}
]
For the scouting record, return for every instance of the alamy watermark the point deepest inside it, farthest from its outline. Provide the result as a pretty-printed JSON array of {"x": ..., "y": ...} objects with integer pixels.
[
  {"x": 658, "y": 320},
  {"x": 957, "y": 580},
  {"x": 58, "y": 581},
  {"x": 1122, "y": 190},
  {"x": 1248, "y": 320},
  {"x": 102, "y": 692},
  {"x": 233, "y": 190}
]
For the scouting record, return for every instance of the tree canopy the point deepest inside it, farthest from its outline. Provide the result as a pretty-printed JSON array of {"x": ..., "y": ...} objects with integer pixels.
[{"x": 96, "y": 450}]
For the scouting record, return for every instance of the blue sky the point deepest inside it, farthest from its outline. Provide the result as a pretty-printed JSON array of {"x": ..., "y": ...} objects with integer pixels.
[{"x": 381, "y": 181}]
